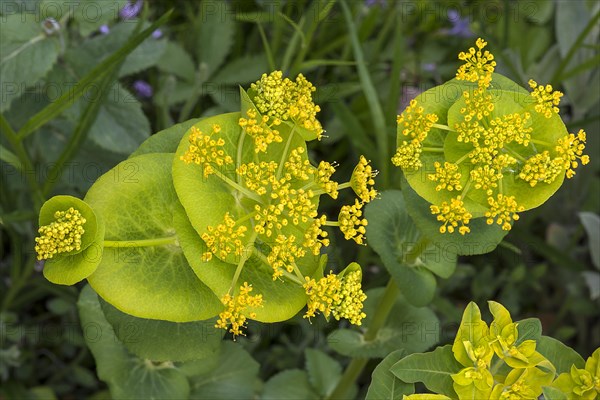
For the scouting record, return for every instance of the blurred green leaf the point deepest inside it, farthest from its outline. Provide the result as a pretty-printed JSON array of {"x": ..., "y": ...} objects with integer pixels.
[
  {"x": 323, "y": 371},
  {"x": 176, "y": 60},
  {"x": 27, "y": 54},
  {"x": 241, "y": 70},
  {"x": 91, "y": 15},
  {"x": 290, "y": 384},
  {"x": 384, "y": 384},
  {"x": 591, "y": 223},
  {"x": 215, "y": 37},
  {"x": 10, "y": 157},
  {"x": 560, "y": 355}
]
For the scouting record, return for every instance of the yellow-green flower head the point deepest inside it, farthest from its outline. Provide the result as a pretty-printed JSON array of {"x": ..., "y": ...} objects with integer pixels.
[
  {"x": 206, "y": 151},
  {"x": 283, "y": 255},
  {"x": 481, "y": 146},
  {"x": 235, "y": 313},
  {"x": 351, "y": 222},
  {"x": 63, "y": 235},
  {"x": 224, "y": 239},
  {"x": 261, "y": 130},
  {"x": 362, "y": 180},
  {"x": 341, "y": 297},
  {"x": 286, "y": 100},
  {"x": 324, "y": 172}
]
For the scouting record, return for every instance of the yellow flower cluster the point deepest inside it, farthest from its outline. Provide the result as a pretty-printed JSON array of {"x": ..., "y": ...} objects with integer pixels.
[
  {"x": 285, "y": 100},
  {"x": 224, "y": 238},
  {"x": 315, "y": 237},
  {"x": 478, "y": 66},
  {"x": 451, "y": 214},
  {"x": 324, "y": 172},
  {"x": 415, "y": 124},
  {"x": 340, "y": 297},
  {"x": 206, "y": 151},
  {"x": 541, "y": 168},
  {"x": 257, "y": 175},
  {"x": 546, "y": 99},
  {"x": 261, "y": 131},
  {"x": 447, "y": 177},
  {"x": 63, "y": 235},
  {"x": 570, "y": 148},
  {"x": 235, "y": 308},
  {"x": 283, "y": 255},
  {"x": 297, "y": 168},
  {"x": 485, "y": 178},
  {"x": 503, "y": 210},
  {"x": 351, "y": 223},
  {"x": 362, "y": 180}
]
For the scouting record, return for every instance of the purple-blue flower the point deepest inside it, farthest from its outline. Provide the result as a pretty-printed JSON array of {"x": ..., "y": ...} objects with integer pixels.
[
  {"x": 371, "y": 3},
  {"x": 131, "y": 10},
  {"x": 461, "y": 27},
  {"x": 104, "y": 29},
  {"x": 157, "y": 34},
  {"x": 142, "y": 89}
]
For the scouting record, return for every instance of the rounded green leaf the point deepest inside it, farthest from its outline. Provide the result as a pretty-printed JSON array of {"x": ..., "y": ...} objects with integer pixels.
[
  {"x": 70, "y": 268},
  {"x": 144, "y": 272}
]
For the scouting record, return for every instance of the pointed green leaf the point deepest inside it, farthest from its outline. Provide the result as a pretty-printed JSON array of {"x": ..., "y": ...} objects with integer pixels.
[
  {"x": 384, "y": 384},
  {"x": 560, "y": 355},
  {"x": 472, "y": 329}
]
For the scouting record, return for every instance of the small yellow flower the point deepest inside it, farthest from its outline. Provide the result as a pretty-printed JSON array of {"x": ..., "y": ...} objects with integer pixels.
[
  {"x": 546, "y": 99},
  {"x": 296, "y": 167},
  {"x": 261, "y": 131},
  {"x": 315, "y": 237},
  {"x": 351, "y": 223},
  {"x": 541, "y": 168},
  {"x": 257, "y": 176},
  {"x": 451, "y": 214},
  {"x": 324, "y": 172},
  {"x": 448, "y": 177},
  {"x": 412, "y": 122},
  {"x": 235, "y": 309},
  {"x": 485, "y": 178},
  {"x": 340, "y": 297},
  {"x": 478, "y": 66},
  {"x": 570, "y": 148},
  {"x": 362, "y": 180},
  {"x": 205, "y": 151},
  {"x": 284, "y": 254},
  {"x": 510, "y": 128},
  {"x": 478, "y": 105},
  {"x": 503, "y": 210},
  {"x": 408, "y": 155},
  {"x": 286, "y": 100},
  {"x": 63, "y": 235},
  {"x": 224, "y": 239}
]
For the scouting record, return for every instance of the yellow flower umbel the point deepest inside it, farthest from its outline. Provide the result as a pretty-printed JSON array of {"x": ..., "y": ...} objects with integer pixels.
[
  {"x": 362, "y": 180},
  {"x": 206, "y": 151},
  {"x": 61, "y": 236},
  {"x": 224, "y": 239},
  {"x": 283, "y": 99},
  {"x": 340, "y": 297},
  {"x": 547, "y": 100},
  {"x": 351, "y": 223},
  {"x": 235, "y": 309},
  {"x": 261, "y": 131},
  {"x": 497, "y": 149}
]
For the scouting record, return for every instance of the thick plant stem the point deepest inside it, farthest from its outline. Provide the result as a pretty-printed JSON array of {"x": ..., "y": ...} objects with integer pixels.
[
  {"x": 141, "y": 243},
  {"x": 356, "y": 366}
]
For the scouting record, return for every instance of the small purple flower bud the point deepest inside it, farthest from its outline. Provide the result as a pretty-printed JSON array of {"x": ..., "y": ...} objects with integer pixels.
[
  {"x": 104, "y": 29},
  {"x": 461, "y": 27},
  {"x": 143, "y": 89},
  {"x": 157, "y": 34},
  {"x": 131, "y": 10}
]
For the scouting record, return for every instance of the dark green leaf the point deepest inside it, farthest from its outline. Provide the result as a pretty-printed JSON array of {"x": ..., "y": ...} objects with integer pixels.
[
  {"x": 290, "y": 384},
  {"x": 323, "y": 371},
  {"x": 384, "y": 384}
]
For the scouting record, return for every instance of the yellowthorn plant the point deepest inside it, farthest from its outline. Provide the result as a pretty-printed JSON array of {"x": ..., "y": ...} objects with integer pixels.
[
  {"x": 284, "y": 193},
  {"x": 497, "y": 152}
]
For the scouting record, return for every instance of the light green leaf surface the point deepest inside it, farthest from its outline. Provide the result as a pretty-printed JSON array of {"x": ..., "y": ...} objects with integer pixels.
[
  {"x": 90, "y": 15},
  {"x": 165, "y": 141},
  {"x": 153, "y": 282}
]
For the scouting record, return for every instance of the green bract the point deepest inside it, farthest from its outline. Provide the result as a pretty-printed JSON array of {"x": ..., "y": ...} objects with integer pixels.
[
  {"x": 73, "y": 266},
  {"x": 482, "y": 148}
]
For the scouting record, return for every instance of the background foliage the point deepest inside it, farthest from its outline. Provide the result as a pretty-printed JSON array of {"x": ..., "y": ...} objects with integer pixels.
[{"x": 134, "y": 79}]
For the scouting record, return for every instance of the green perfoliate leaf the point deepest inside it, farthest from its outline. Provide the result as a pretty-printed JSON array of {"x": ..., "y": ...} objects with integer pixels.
[
  {"x": 290, "y": 384},
  {"x": 434, "y": 369},
  {"x": 234, "y": 376},
  {"x": 472, "y": 329},
  {"x": 410, "y": 328},
  {"x": 393, "y": 235},
  {"x": 127, "y": 376},
  {"x": 163, "y": 340},
  {"x": 552, "y": 393},
  {"x": 384, "y": 384},
  {"x": 323, "y": 371},
  {"x": 144, "y": 272},
  {"x": 165, "y": 141},
  {"x": 482, "y": 239},
  {"x": 70, "y": 268},
  {"x": 23, "y": 40}
]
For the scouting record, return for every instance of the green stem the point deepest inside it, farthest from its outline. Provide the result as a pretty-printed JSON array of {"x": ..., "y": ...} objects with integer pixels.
[
  {"x": 331, "y": 223},
  {"x": 341, "y": 186},
  {"x": 542, "y": 142},
  {"x": 141, "y": 242},
  {"x": 245, "y": 256},
  {"x": 237, "y": 186},
  {"x": 238, "y": 158},
  {"x": 444, "y": 127},
  {"x": 285, "y": 153},
  {"x": 433, "y": 149}
]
